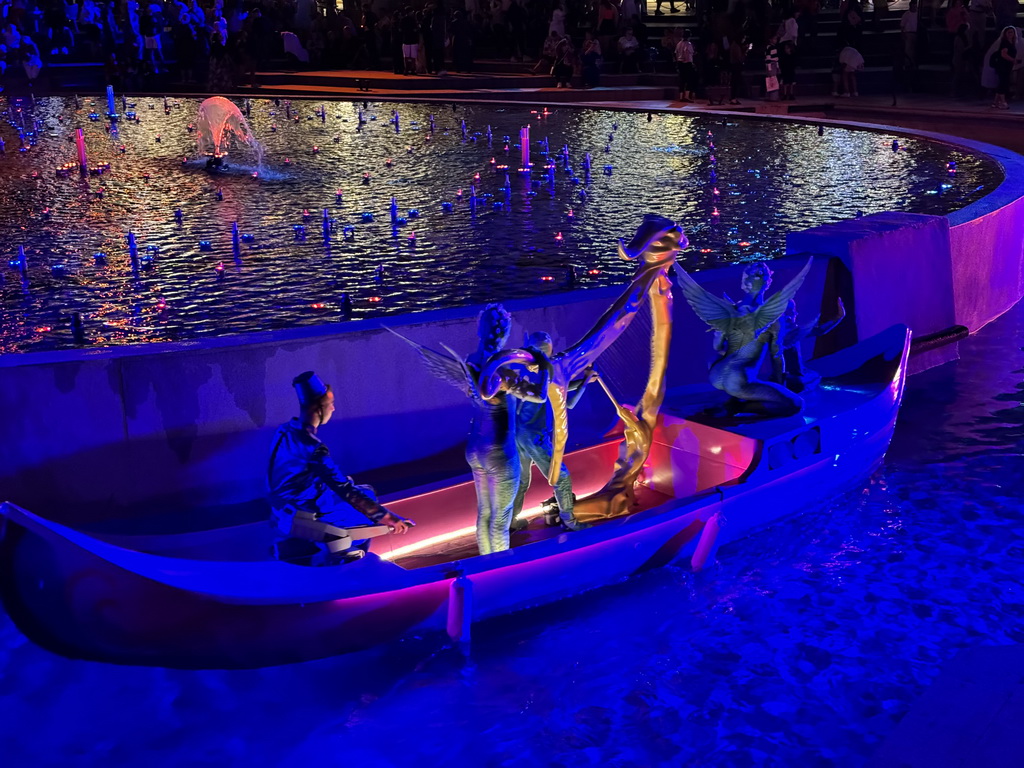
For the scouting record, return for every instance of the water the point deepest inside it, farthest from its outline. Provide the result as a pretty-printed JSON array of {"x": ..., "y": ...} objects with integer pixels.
[
  {"x": 773, "y": 178},
  {"x": 803, "y": 646}
]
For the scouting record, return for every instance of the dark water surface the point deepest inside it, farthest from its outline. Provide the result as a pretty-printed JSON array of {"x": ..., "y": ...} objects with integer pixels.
[
  {"x": 772, "y": 178},
  {"x": 803, "y": 646}
]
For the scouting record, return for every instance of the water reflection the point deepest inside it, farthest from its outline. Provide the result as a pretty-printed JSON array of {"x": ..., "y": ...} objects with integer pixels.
[{"x": 772, "y": 178}]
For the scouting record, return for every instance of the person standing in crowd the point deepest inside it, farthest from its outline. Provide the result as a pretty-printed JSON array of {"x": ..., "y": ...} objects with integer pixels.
[
  {"x": 565, "y": 62},
  {"x": 393, "y": 29},
  {"x": 712, "y": 64},
  {"x": 737, "y": 59},
  {"x": 150, "y": 31},
  {"x": 851, "y": 22},
  {"x": 978, "y": 12},
  {"x": 515, "y": 21},
  {"x": 962, "y": 63},
  {"x": 684, "y": 55},
  {"x": 669, "y": 40},
  {"x": 807, "y": 22},
  {"x": 956, "y": 16},
  {"x": 185, "y": 48},
  {"x": 908, "y": 32},
  {"x": 789, "y": 30},
  {"x": 368, "y": 35},
  {"x": 590, "y": 57},
  {"x": 1005, "y": 12},
  {"x": 607, "y": 25},
  {"x": 462, "y": 43},
  {"x": 629, "y": 52},
  {"x": 787, "y": 70},
  {"x": 557, "y": 20},
  {"x": 771, "y": 69},
  {"x": 1002, "y": 60},
  {"x": 409, "y": 30},
  {"x": 881, "y": 13},
  {"x": 440, "y": 38}
]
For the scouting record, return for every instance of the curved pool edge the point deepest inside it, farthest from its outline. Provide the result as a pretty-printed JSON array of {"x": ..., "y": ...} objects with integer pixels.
[
  {"x": 981, "y": 225},
  {"x": 192, "y": 420}
]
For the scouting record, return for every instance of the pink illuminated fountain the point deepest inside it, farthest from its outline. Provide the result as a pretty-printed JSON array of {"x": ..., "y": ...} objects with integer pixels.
[
  {"x": 218, "y": 121},
  {"x": 83, "y": 162}
]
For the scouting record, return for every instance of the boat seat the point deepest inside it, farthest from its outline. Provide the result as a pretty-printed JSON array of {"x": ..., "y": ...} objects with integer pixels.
[
  {"x": 316, "y": 553},
  {"x": 308, "y": 540}
]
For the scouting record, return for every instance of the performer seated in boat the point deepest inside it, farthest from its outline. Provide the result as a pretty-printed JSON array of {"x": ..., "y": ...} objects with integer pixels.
[
  {"x": 310, "y": 497},
  {"x": 534, "y": 440}
]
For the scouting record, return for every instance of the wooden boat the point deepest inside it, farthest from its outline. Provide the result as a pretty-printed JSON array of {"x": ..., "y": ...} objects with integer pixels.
[{"x": 214, "y": 599}]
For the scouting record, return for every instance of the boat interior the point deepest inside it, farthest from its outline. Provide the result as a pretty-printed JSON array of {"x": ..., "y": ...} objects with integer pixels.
[{"x": 696, "y": 447}]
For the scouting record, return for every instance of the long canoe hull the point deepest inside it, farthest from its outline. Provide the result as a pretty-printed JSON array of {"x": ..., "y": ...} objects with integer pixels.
[{"x": 92, "y": 600}]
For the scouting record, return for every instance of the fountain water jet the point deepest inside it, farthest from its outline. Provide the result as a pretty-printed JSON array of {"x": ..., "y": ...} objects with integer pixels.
[
  {"x": 218, "y": 119},
  {"x": 83, "y": 162}
]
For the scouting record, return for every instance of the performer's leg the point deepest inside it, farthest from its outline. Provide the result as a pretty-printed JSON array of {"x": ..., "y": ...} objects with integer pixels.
[
  {"x": 525, "y": 471},
  {"x": 503, "y": 484},
  {"x": 540, "y": 452},
  {"x": 483, "y": 510}
]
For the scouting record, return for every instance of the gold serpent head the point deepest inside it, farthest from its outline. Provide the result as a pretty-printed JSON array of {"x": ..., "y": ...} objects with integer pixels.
[{"x": 658, "y": 239}]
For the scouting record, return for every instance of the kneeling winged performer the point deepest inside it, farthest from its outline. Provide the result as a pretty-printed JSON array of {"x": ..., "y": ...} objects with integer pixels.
[{"x": 745, "y": 329}]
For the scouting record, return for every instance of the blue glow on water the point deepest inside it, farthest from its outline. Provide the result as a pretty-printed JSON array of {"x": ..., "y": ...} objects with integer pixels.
[
  {"x": 803, "y": 646},
  {"x": 765, "y": 179}
]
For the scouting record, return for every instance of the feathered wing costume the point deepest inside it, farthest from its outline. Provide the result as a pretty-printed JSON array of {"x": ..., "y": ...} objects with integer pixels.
[
  {"x": 745, "y": 332},
  {"x": 491, "y": 450}
]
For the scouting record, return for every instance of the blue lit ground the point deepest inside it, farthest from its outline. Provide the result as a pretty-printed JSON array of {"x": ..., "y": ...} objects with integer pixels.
[{"x": 803, "y": 647}]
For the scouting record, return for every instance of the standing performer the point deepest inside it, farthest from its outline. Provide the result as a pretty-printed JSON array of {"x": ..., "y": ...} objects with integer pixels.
[
  {"x": 534, "y": 437},
  {"x": 491, "y": 450}
]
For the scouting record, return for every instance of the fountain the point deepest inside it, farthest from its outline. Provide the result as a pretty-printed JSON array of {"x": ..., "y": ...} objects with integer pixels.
[
  {"x": 83, "y": 162},
  {"x": 424, "y": 184},
  {"x": 218, "y": 118},
  {"x": 133, "y": 250}
]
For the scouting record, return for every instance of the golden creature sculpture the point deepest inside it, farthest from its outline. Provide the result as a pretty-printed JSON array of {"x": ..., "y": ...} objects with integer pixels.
[{"x": 655, "y": 245}]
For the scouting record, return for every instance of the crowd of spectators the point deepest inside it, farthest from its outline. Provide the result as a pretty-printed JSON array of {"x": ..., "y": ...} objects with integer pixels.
[{"x": 214, "y": 44}]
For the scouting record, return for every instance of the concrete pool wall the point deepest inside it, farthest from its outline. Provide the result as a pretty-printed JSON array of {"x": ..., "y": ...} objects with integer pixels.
[{"x": 89, "y": 434}]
